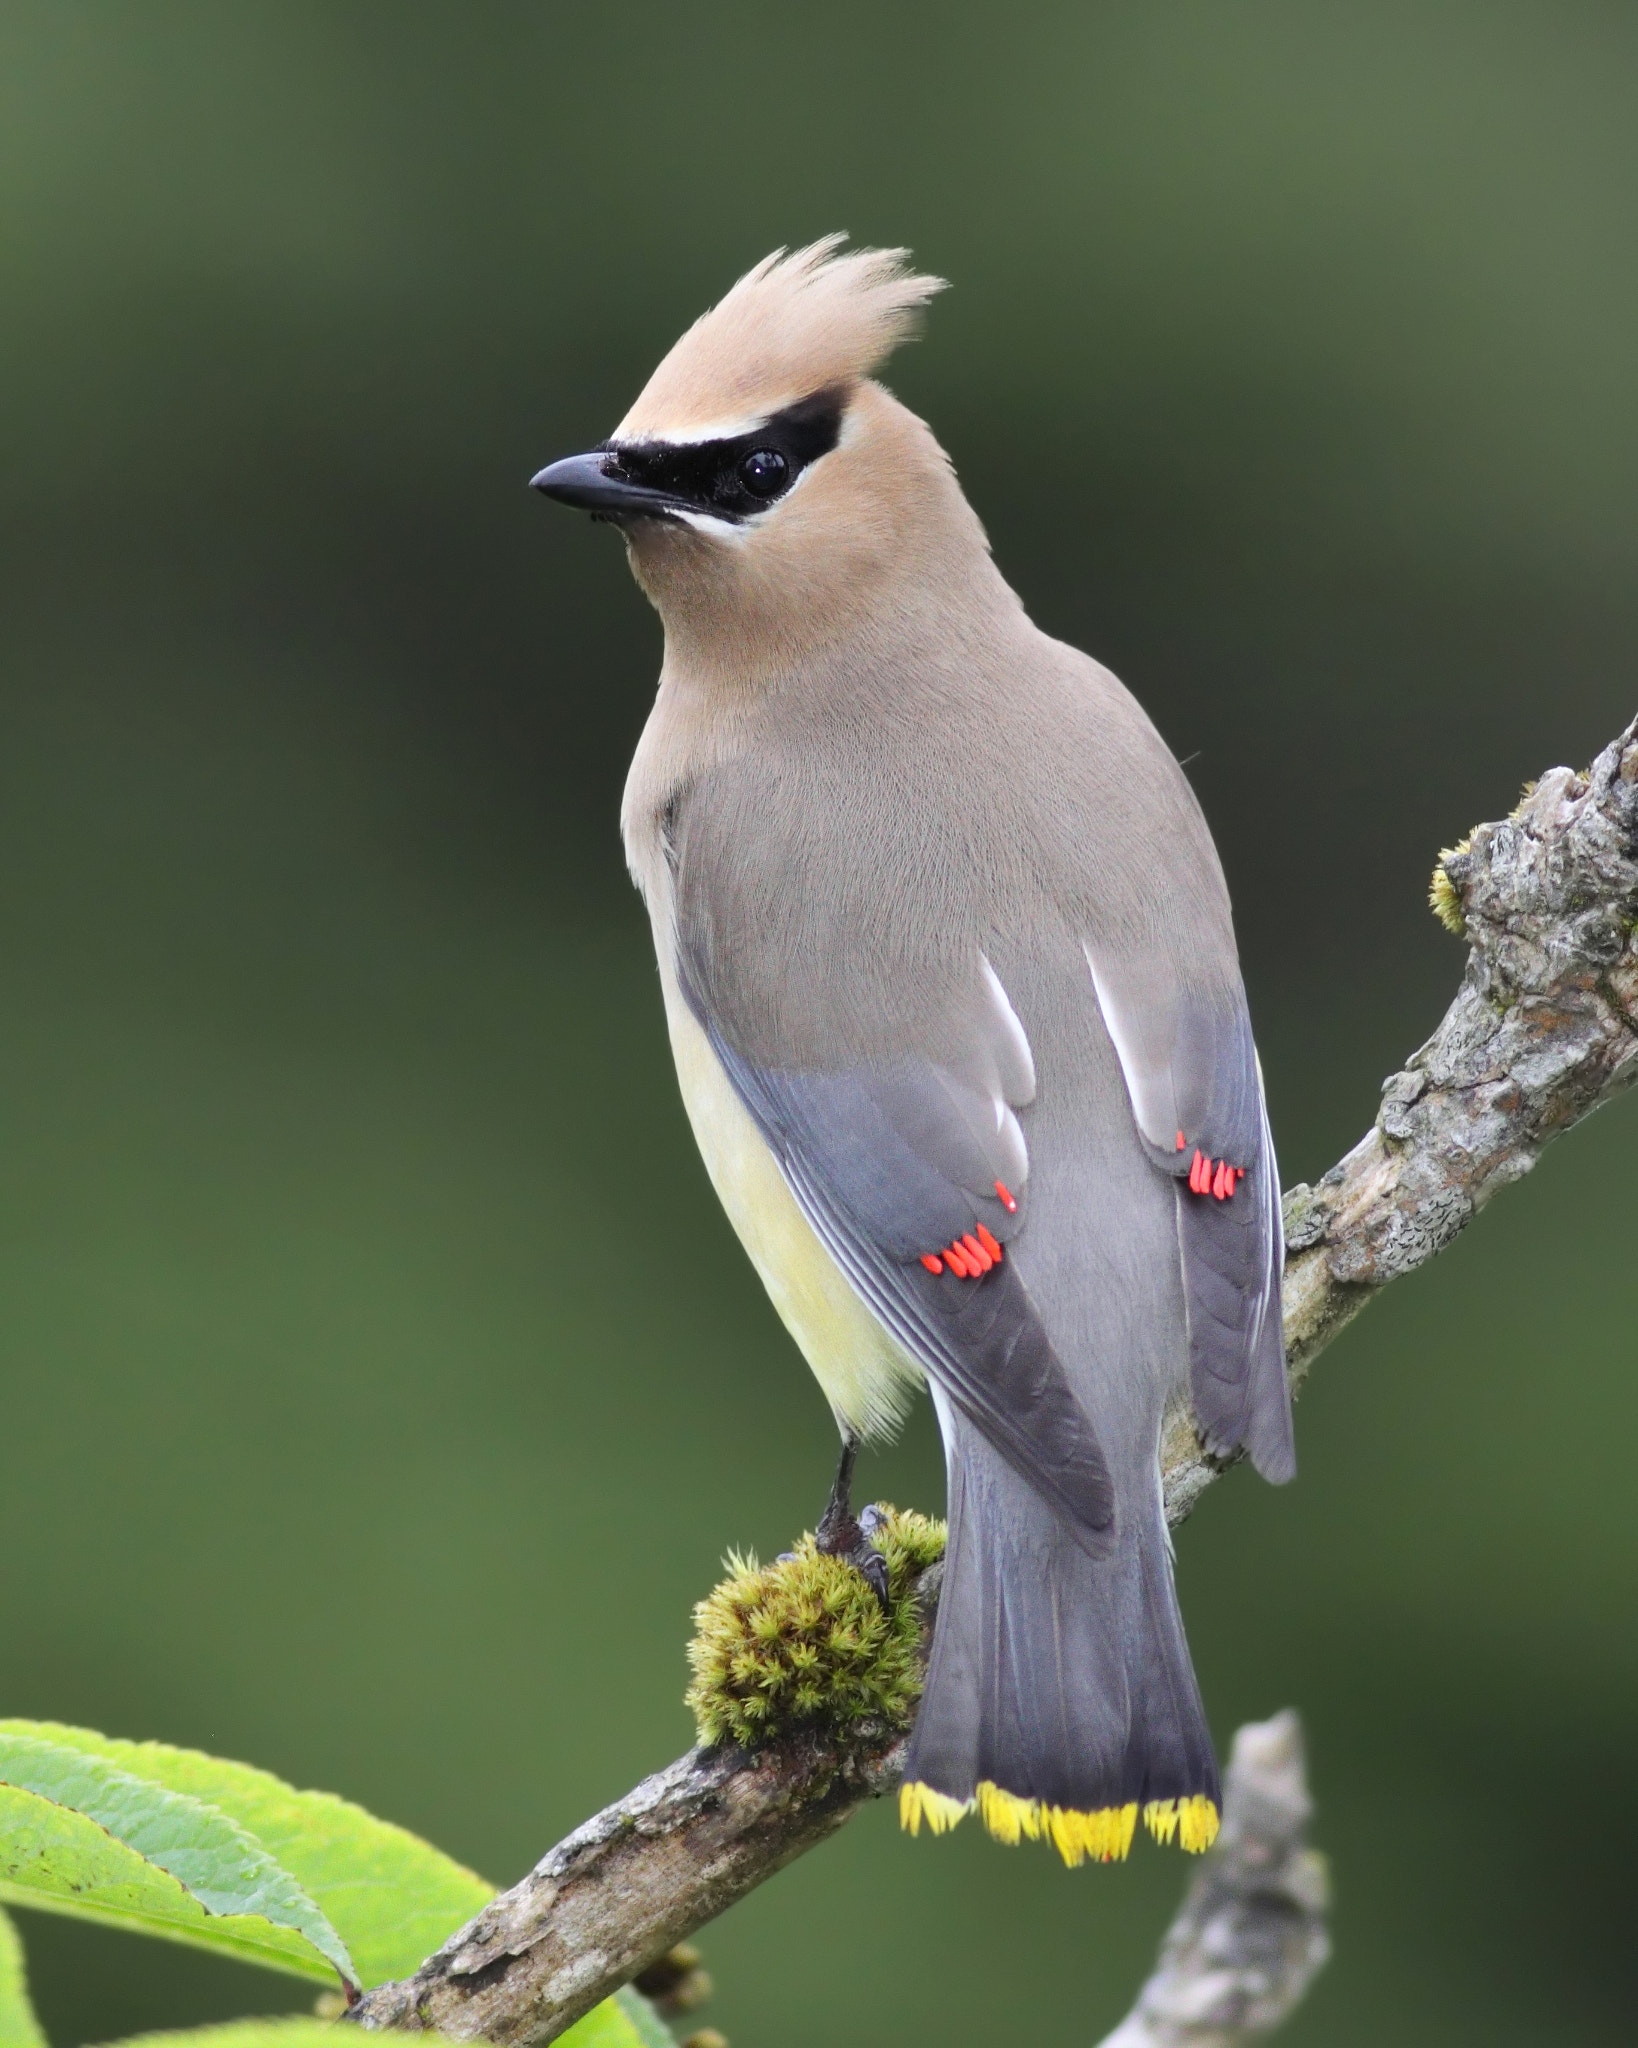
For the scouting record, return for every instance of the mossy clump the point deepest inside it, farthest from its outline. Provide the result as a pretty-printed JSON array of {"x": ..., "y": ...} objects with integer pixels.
[
  {"x": 804, "y": 1640},
  {"x": 1443, "y": 899}
]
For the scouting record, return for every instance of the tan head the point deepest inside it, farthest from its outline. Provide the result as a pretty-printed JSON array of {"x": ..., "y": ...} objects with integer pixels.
[{"x": 769, "y": 491}]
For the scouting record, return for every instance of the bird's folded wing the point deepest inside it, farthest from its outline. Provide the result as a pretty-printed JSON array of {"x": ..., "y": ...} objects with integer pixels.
[
  {"x": 1197, "y": 1097},
  {"x": 914, "y": 1174}
]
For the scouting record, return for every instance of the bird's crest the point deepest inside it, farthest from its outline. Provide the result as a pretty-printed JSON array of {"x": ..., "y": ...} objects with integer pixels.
[{"x": 802, "y": 321}]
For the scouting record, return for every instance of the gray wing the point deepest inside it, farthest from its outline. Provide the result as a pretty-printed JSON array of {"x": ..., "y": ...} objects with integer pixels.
[
  {"x": 1197, "y": 1098},
  {"x": 914, "y": 1175}
]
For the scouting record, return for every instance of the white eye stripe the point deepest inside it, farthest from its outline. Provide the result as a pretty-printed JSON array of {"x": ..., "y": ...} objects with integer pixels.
[
  {"x": 708, "y": 523},
  {"x": 697, "y": 437}
]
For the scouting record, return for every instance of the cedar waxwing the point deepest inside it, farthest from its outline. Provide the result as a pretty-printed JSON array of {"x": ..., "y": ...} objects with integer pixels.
[{"x": 952, "y": 988}]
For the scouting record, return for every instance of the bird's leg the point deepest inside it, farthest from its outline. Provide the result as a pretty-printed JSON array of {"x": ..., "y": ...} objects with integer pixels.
[
  {"x": 842, "y": 1534},
  {"x": 838, "y": 1532}
]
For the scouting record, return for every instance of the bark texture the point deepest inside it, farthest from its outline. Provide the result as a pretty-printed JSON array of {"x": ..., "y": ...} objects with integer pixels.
[
  {"x": 633, "y": 1881},
  {"x": 1543, "y": 1029}
]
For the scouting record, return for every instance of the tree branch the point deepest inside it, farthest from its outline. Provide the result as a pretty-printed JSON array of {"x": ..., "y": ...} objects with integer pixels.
[
  {"x": 1250, "y": 1933},
  {"x": 637, "y": 1878},
  {"x": 1544, "y": 1028}
]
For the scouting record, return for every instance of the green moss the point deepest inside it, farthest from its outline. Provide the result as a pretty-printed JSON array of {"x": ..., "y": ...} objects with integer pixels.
[
  {"x": 803, "y": 1641},
  {"x": 1443, "y": 898}
]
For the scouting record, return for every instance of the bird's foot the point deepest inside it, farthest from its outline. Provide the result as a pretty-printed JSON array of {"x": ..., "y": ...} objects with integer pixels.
[
  {"x": 843, "y": 1534},
  {"x": 851, "y": 1542}
]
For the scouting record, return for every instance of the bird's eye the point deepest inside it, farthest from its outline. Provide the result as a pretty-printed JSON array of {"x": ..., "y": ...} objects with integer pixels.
[{"x": 763, "y": 472}]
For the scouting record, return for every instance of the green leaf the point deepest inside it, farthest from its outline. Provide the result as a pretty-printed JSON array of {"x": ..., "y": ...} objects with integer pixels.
[
  {"x": 58, "y": 1861},
  {"x": 218, "y": 1866},
  {"x": 392, "y": 1897},
  {"x": 298, "y": 2032},
  {"x": 643, "y": 2026},
  {"x": 18, "y": 2026},
  {"x": 609, "y": 2026}
]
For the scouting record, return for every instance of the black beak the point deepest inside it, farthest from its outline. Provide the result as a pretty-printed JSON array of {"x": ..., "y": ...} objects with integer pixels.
[{"x": 586, "y": 481}]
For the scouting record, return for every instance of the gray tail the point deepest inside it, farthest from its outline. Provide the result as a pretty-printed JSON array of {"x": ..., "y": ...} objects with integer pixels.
[{"x": 1060, "y": 1699}]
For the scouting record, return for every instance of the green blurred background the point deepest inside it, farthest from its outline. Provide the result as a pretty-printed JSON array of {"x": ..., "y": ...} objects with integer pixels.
[{"x": 380, "y": 1381}]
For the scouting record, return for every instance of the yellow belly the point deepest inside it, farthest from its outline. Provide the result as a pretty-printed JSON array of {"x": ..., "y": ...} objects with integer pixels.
[{"x": 867, "y": 1378}]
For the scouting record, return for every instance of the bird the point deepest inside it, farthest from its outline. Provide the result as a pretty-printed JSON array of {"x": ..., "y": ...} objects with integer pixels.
[{"x": 953, "y": 992}]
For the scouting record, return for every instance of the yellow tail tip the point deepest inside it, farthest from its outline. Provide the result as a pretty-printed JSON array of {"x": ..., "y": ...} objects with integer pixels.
[
  {"x": 1008, "y": 1817},
  {"x": 919, "y": 1802},
  {"x": 1103, "y": 1835},
  {"x": 1100, "y": 1835},
  {"x": 1193, "y": 1822}
]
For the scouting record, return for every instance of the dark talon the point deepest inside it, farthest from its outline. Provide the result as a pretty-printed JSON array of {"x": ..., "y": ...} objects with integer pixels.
[
  {"x": 839, "y": 1534},
  {"x": 872, "y": 1566}
]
